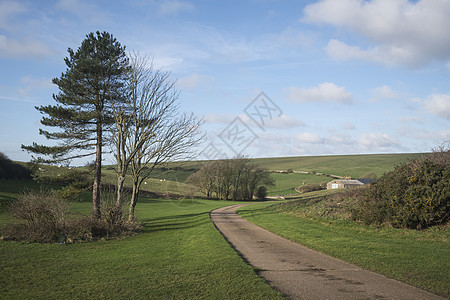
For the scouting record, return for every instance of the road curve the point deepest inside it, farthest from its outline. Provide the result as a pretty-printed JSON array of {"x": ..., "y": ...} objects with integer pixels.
[{"x": 301, "y": 273}]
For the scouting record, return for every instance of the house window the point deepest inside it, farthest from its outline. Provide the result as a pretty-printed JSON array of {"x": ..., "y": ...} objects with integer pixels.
[{"x": 334, "y": 186}]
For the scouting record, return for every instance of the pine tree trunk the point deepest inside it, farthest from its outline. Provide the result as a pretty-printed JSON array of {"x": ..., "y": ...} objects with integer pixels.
[{"x": 97, "y": 174}]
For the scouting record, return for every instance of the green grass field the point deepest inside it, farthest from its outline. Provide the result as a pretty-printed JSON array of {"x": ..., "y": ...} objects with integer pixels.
[
  {"x": 353, "y": 165},
  {"x": 179, "y": 255},
  {"x": 285, "y": 184},
  {"x": 173, "y": 180},
  {"x": 419, "y": 258}
]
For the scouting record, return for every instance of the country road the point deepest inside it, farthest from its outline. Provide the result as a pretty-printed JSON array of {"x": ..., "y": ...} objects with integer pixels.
[{"x": 301, "y": 273}]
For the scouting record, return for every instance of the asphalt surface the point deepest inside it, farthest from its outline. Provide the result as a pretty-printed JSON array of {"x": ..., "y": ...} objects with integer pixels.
[{"x": 301, "y": 273}]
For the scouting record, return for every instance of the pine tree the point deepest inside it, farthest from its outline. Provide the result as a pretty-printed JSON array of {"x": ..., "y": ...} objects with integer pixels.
[{"x": 94, "y": 80}]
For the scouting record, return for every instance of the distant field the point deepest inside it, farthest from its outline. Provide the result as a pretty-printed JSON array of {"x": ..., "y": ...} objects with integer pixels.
[
  {"x": 353, "y": 165},
  {"x": 285, "y": 184},
  {"x": 173, "y": 180}
]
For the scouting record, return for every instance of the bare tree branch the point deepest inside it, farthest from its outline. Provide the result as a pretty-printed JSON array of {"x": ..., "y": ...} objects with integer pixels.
[{"x": 149, "y": 130}]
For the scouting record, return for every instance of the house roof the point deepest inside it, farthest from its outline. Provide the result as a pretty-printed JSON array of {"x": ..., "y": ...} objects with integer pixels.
[
  {"x": 366, "y": 181},
  {"x": 353, "y": 181},
  {"x": 350, "y": 181}
]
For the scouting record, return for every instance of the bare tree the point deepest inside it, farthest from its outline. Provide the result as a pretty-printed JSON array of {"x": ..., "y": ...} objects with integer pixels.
[
  {"x": 204, "y": 179},
  {"x": 237, "y": 178},
  {"x": 149, "y": 129}
]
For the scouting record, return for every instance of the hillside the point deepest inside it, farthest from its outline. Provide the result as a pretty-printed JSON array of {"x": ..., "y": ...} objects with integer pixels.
[
  {"x": 172, "y": 180},
  {"x": 353, "y": 165}
]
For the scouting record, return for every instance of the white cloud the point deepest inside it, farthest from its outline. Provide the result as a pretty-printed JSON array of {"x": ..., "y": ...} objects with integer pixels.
[
  {"x": 10, "y": 48},
  {"x": 174, "y": 7},
  {"x": 411, "y": 119},
  {"x": 16, "y": 99},
  {"x": 376, "y": 142},
  {"x": 442, "y": 135},
  {"x": 403, "y": 32},
  {"x": 194, "y": 81},
  {"x": 386, "y": 55},
  {"x": 283, "y": 122},
  {"x": 323, "y": 92},
  {"x": 341, "y": 51},
  {"x": 438, "y": 105},
  {"x": 383, "y": 92},
  {"x": 218, "y": 118},
  {"x": 30, "y": 84},
  {"x": 349, "y": 126},
  {"x": 431, "y": 138},
  {"x": 307, "y": 137},
  {"x": 8, "y": 10},
  {"x": 290, "y": 38},
  {"x": 166, "y": 61}
]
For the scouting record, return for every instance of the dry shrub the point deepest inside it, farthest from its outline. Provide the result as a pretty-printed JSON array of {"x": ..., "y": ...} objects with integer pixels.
[
  {"x": 90, "y": 229},
  {"x": 43, "y": 216}
]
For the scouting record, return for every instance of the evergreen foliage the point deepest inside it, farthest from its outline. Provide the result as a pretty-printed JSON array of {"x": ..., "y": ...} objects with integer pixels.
[
  {"x": 415, "y": 195},
  {"x": 94, "y": 81}
]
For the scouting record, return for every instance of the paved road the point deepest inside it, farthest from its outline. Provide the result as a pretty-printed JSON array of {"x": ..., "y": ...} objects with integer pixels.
[{"x": 301, "y": 273}]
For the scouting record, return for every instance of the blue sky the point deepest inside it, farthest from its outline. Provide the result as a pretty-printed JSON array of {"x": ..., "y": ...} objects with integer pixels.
[{"x": 341, "y": 76}]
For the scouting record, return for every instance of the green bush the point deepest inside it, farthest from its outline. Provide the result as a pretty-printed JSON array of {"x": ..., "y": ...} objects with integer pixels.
[
  {"x": 261, "y": 193},
  {"x": 12, "y": 170},
  {"x": 415, "y": 195},
  {"x": 74, "y": 182}
]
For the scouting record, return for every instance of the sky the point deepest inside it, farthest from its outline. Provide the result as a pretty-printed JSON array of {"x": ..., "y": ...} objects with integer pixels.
[{"x": 270, "y": 78}]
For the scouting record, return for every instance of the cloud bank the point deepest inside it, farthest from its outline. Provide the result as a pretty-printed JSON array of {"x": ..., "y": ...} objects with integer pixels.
[{"x": 399, "y": 31}]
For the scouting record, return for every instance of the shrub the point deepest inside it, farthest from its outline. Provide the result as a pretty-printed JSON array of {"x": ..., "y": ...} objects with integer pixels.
[
  {"x": 312, "y": 187},
  {"x": 90, "y": 229},
  {"x": 43, "y": 215},
  {"x": 415, "y": 195},
  {"x": 261, "y": 193}
]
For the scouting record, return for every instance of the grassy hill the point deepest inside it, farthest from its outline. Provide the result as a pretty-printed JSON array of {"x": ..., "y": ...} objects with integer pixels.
[
  {"x": 180, "y": 254},
  {"x": 173, "y": 180},
  {"x": 353, "y": 165}
]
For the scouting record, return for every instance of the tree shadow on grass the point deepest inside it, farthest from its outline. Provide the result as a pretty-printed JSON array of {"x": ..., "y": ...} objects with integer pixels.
[
  {"x": 176, "y": 222},
  {"x": 250, "y": 213}
]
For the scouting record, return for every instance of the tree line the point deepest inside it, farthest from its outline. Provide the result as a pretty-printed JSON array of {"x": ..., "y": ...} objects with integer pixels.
[
  {"x": 111, "y": 101},
  {"x": 232, "y": 179}
]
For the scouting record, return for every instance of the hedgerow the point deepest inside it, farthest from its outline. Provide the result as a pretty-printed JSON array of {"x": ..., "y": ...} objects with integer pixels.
[
  {"x": 414, "y": 195},
  {"x": 312, "y": 187}
]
